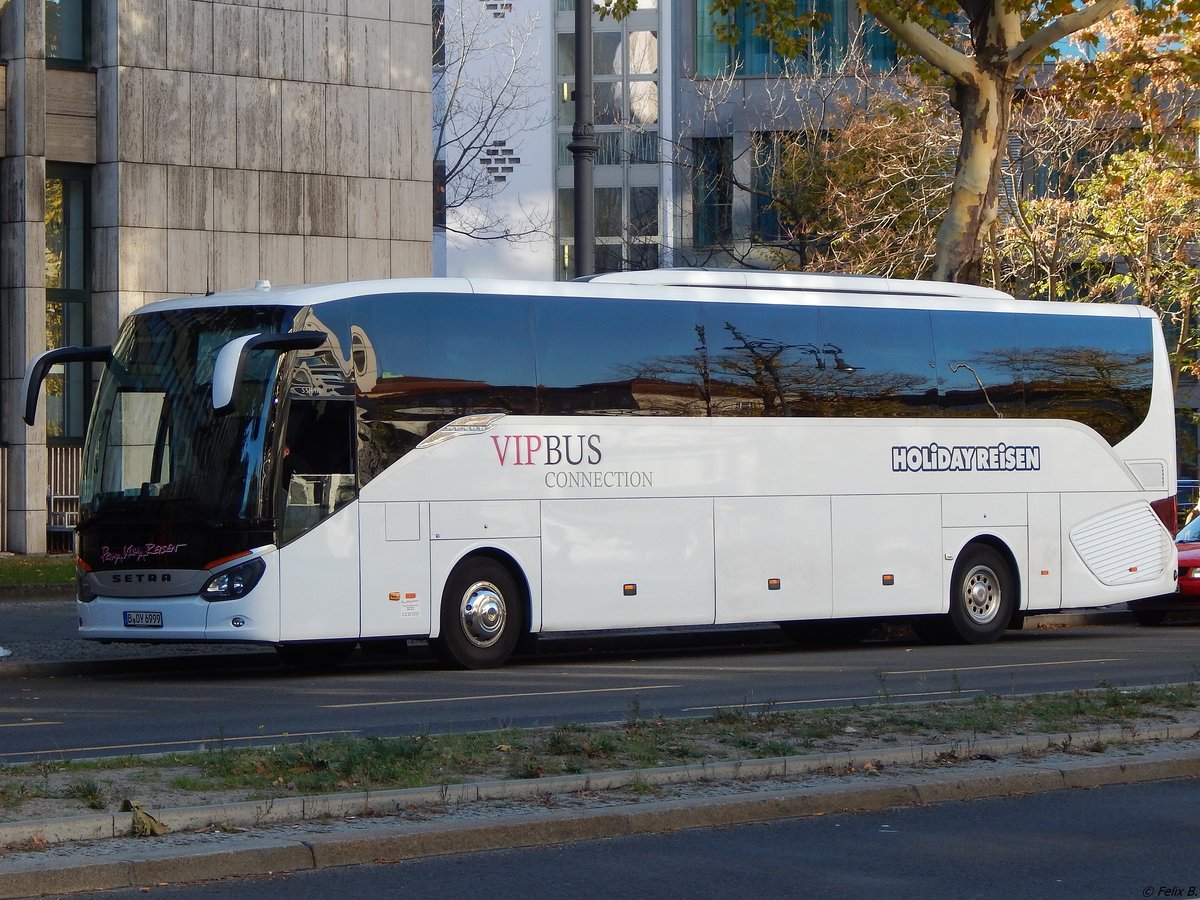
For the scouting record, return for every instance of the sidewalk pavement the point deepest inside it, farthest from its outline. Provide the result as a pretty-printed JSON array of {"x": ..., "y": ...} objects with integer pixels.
[{"x": 100, "y": 852}]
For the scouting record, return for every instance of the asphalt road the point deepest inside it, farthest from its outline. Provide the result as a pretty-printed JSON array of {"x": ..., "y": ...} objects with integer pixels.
[
  {"x": 141, "y": 706},
  {"x": 1121, "y": 842}
]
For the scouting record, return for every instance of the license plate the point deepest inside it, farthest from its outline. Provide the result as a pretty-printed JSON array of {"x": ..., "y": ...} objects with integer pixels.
[{"x": 142, "y": 619}]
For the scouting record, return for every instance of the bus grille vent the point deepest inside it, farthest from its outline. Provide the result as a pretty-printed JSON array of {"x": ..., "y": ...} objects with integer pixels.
[
  {"x": 1150, "y": 473},
  {"x": 1123, "y": 547}
]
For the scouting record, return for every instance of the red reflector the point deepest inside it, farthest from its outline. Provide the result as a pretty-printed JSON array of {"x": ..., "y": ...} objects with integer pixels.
[
  {"x": 225, "y": 559},
  {"x": 889, "y": 580},
  {"x": 630, "y": 590},
  {"x": 772, "y": 584},
  {"x": 79, "y": 562}
]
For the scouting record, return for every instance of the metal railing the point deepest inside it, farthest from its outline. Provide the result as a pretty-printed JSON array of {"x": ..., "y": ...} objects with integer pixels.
[{"x": 62, "y": 495}]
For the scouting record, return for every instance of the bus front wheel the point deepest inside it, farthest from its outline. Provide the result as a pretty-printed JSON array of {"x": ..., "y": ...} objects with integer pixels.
[
  {"x": 982, "y": 595},
  {"x": 481, "y": 615}
]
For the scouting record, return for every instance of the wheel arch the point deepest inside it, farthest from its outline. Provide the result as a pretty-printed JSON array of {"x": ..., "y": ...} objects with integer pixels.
[
  {"x": 1001, "y": 546},
  {"x": 515, "y": 569}
]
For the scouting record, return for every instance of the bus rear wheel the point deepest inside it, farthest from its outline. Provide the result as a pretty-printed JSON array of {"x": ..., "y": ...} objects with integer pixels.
[
  {"x": 982, "y": 595},
  {"x": 482, "y": 615}
]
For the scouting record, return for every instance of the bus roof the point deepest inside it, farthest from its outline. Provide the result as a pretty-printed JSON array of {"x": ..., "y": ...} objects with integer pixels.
[
  {"x": 705, "y": 285},
  {"x": 759, "y": 279}
]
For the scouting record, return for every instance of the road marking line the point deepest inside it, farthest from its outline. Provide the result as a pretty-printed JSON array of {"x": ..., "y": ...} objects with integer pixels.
[
  {"x": 26, "y": 724},
  {"x": 425, "y": 700},
  {"x": 1061, "y": 662},
  {"x": 209, "y": 742},
  {"x": 771, "y": 704}
]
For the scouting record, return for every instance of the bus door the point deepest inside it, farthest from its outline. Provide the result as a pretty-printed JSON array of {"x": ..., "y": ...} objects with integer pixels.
[{"x": 319, "y": 564}]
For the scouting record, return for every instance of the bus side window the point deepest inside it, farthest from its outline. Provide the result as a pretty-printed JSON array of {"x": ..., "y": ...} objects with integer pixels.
[
  {"x": 319, "y": 438},
  {"x": 318, "y": 462}
]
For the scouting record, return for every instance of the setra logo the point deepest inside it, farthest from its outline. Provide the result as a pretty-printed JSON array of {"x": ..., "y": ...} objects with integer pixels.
[{"x": 141, "y": 578}]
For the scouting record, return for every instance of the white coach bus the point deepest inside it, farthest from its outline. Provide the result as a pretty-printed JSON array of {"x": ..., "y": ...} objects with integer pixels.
[{"x": 473, "y": 461}]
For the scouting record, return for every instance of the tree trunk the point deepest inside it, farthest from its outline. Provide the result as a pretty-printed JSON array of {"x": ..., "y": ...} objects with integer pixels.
[{"x": 984, "y": 104}]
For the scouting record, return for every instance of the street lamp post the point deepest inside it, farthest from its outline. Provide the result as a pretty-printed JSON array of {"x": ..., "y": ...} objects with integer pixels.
[{"x": 583, "y": 144}]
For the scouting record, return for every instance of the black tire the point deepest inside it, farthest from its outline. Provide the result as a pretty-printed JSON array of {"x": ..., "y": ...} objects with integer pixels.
[
  {"x": 983, "y": 595},
  {"x": 483, "y": 615},
  {"x": 315, "y": 657}
]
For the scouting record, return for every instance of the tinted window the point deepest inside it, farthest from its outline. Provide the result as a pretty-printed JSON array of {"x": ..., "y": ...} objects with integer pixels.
[
  {"x": 422, "y": 361},
  {"x": 1092, "y": 369},
  {"x": 766, "y": 360},
  {"x": 979, "y": 368},
  {"x": 880, "y": 362},
  {"x": 619, "y": 357}
]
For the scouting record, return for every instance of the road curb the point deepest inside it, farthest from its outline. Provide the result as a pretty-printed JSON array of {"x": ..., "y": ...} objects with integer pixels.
[
  {"x": 37, "y": 591},
  {"x": 153, "y": 863}
]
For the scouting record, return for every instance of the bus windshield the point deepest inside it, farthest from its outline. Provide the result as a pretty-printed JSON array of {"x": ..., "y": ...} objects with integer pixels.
[{"x": 155, "y": 440}]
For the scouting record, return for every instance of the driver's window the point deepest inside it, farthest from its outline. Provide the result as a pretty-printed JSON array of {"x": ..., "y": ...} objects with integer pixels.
[{"x": 318, "y": 463}]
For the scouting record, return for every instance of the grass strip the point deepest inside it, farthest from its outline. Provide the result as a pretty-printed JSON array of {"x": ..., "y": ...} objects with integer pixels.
[
  {"x": 641, "y": 741},
  {"x": 35, "y": 569}
]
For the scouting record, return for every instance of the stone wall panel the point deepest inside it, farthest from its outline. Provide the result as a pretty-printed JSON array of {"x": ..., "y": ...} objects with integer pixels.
[
  {"x": 190, "y": 35},
  {"x": 235, "y": 39},
  {"x": 281, "y": 44},
  {"x": 324, "y": 49},
  {"x": 189, "y": 198},
  {"x": 213, "y": 120},
  {"x": 324, "y": 259},
  {"x": 303, "y": 126},
  {"x": 168, "y": 122},
  {"x": 281, "y": 258},
  {"x": 347, "y": 130},
  {"x": 324, "y": 206},
  {"x": 259, "y": 129},
  {"x": 281, "y": 202},
  {"x": 235, "y": 200}
]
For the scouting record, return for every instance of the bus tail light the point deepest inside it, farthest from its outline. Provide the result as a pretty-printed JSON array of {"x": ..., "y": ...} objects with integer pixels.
[
  {"x": 235, "y": 582},
  {"x": 1167, "y": 510},
  {"x": 83, "y": 591}
]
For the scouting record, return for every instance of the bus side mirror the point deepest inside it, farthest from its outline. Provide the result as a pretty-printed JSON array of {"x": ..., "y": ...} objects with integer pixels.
[
  {"x": 43, "y": 362},
  {"x": 230, "y": 366}
]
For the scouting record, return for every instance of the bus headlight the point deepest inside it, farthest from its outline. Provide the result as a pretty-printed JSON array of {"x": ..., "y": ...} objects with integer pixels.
[{"x": 235, "y": 582}]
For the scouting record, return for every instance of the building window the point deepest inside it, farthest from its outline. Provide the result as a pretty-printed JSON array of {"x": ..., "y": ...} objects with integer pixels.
[
  {"x": 769, "y": 150},
  {"x": 439, "y": 193},
  {"x": 754, "y": 54},
  {"x": 712, "y": 191},
  {"x": 880, "y": 46},
  {"x": 67, "y": 32},
  {"x": 626, "y": 229},
  {"x": 439, "y": 34},
  {"x": 625, "y": 75},
  {"x": 67, "y": 299}
]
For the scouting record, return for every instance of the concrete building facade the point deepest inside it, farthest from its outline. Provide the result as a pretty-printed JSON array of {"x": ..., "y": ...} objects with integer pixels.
[
  {"x": 677, "y": 122},
  {"x": 156, "y": 148}
]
